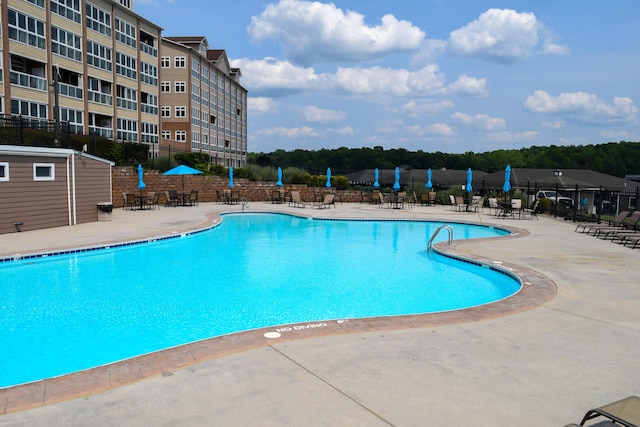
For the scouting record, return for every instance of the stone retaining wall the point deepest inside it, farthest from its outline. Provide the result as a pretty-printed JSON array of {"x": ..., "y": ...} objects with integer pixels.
[{"x": 125, "y": 180}]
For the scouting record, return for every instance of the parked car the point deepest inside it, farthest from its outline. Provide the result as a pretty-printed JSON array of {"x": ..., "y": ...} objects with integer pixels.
[{"x": 563, "y": 201}]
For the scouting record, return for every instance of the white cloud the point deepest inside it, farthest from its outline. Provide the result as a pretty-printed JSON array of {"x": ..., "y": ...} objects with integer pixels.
[
  {"x": 343, "y": 131},
  {"x": 505, "y": 136},
  {"x": 470, "y": 86},
  {"x": 438, "y": 129},
  {"x": 260, "y": 105},
  {"x": 388, "y": 81},
  {"x": 479, "y": 121},
  {"x": 320, "y": 115},
  {"x": 503, "y": 35},
  {"x": 296, "y": 132},
  {"x": 583, "y": 107},
  {"x": 309, "y": 32},
  {"x": 417, "y": 109},
  {"x": 273, "y": 77},
  {"x": 554, "y": 125}
]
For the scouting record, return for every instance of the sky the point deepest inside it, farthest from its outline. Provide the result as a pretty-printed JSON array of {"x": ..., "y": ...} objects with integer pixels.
[{"x": 454, "y": 76}]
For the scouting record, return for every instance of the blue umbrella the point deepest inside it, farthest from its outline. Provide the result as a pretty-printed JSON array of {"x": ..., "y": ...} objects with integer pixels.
[
  {"x": 230, "y": 176},
  {"x": 396, "y": 185},
  {"x": 469, "y": 188},
  {"x": 279, "y": 183},
  {"x": 507, "y": 175},
  {"x": 328, "y": 177},
  {"x": 376, "y": 184},
  {"x": 140, "y": 175},
  {"x": 429, "y": 185},
  {"x": 182, "y": 170}
]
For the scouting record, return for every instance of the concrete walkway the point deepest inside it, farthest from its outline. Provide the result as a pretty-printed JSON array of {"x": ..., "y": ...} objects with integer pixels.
[{"x": 545, "y": 366}]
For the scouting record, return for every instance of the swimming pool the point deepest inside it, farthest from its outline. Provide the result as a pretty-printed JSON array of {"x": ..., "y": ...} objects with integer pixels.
[{"x": 64, "y": 313}]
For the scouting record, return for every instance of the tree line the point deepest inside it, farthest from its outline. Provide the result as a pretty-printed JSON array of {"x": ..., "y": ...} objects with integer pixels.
[{"x": 612, "y": 158}]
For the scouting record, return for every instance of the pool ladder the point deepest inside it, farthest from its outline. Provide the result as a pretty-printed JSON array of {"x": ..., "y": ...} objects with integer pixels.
[{"x": 435, "y": 233}]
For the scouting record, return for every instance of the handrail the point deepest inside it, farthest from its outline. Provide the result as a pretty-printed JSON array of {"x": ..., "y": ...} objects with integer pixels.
[{"x": 435, "y": 233}]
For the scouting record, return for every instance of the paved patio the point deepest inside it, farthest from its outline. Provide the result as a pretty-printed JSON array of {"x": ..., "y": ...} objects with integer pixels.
[{"x": 543, "y": 363}]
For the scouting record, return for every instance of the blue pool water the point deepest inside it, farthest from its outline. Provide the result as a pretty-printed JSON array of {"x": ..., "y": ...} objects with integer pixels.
[{"x": 64, "y": 313}]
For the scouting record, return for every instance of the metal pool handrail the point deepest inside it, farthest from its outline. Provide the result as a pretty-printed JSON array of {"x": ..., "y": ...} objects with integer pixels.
[{"x": 435, "y": 233}]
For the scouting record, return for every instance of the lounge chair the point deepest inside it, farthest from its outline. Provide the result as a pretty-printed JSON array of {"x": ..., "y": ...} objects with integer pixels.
[
  {"x": 296, "y": 201},
  {"x": 384, "y": 199},
  {"x": 625, "y": 412},
  {"x": 625, "y": 225},
  {"x": 584, "y": 227},
  {"x": 631, "y": 239},
  {"x": 130, "y": 201},
  {"x": 326, "y": 202}
]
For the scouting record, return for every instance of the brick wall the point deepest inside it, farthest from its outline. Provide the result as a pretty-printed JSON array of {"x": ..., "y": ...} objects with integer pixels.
[{"x": 125, "y": 180}]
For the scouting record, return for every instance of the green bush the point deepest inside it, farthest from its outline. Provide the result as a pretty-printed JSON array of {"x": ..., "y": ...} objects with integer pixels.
[{"x": 544, "y": 205}]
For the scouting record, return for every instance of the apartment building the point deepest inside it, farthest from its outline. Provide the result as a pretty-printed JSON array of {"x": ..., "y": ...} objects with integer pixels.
[
  {"x": 203, "y": 105},
  {"x": 96, "y": 60}
]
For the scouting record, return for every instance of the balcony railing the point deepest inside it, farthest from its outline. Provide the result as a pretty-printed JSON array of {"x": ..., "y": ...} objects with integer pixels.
[{"x": 28, "y": 80}]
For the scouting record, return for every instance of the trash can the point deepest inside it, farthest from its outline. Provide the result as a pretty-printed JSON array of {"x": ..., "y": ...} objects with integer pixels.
[{"x": 104, "y": 211}]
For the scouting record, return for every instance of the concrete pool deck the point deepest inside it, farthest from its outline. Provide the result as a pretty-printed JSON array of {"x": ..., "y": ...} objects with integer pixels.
[{"x": 546, "y": 361}]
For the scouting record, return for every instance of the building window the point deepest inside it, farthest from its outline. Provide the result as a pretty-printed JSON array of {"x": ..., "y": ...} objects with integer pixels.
[
  {"x": 127, "y": 130},
  {"x": 74, "y": 117},
  {"x": 66, "y": 44},
  {"x": 181, "y": 135},
  {"x": 126, "y": 98},
  {"x": 165, "y": 87},
  {"x": 125, "y": 32},
  {"x": 166, "y": 111},
  {"x": 26, "y": 29},
  {"x": 165, "y": 62},
  {"x": 4, "y": 171},
  {"x": 98, "y": 55},
  {"x": 44, "y": 172},
  {"x": 633, "y": 202},
  {"x": 98, "y": 20},
  {"x": 70, "y": 9},
  {"x": 180, "y": 87},
  {"x": 148, "y": 73},
  {"x": 126, "y": 66},
  {"x": 28, "y": 109},
  {"x": 181, "y": 111},
  {"x": 166, "y": 134},
  {"x": 180, "y": 62}
]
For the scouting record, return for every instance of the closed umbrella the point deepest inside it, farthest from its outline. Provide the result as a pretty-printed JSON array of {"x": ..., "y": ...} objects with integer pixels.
[
  {"x": 396, "y": 185},
  {"x": 182, "y": 170},
  {"x": 507, "y": 176},
  {"x": 506, "y": 187},
  {"x": 279, "y": 183},
  {"x": 376, "y": 184},
  {"x": 469, "y": 188},
  {"x": 230, "y": 176},
  {"x": 328, "y": 177},
  {"x": 141, "y": 184},
  {"x": 429, "y": 185}
]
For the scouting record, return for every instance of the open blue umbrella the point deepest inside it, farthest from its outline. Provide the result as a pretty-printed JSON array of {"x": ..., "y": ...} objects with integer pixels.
[
  {"x": 396, "y": 185},
  {"x": 328, "y": 177},
  {"x": 429, "y": 185},
  {"x": 279, "y": 183},
  {"x": 230, "y": 176},
  {"x": 141, "y": 184},
  {"x": 183, "y": 170},
  {"x": 507, "y": 176},
  {"x": 376, "y": 184},
  {"x": 469, "y": 188}
]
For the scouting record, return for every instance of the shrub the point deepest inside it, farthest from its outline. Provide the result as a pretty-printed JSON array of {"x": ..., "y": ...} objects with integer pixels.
[{"x": 544, "y": 205}]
